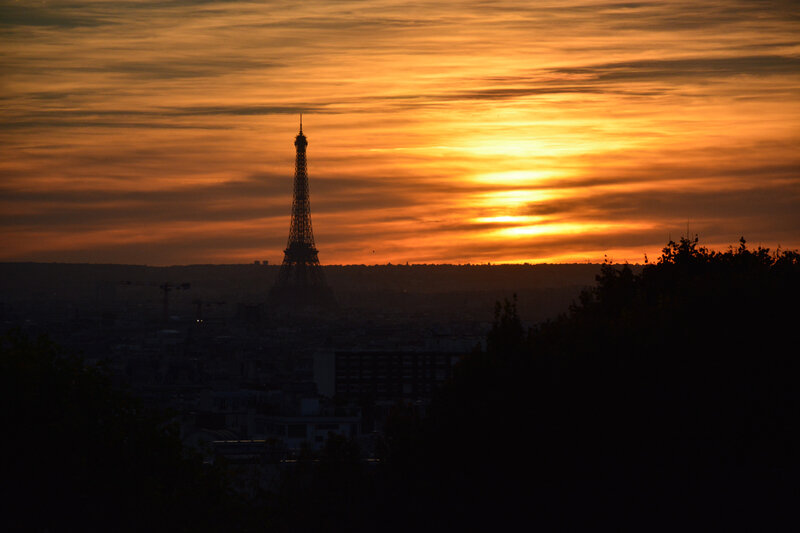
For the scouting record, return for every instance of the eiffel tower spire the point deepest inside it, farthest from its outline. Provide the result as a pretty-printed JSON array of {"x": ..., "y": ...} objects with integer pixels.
[{"x": 301, "y": 282}]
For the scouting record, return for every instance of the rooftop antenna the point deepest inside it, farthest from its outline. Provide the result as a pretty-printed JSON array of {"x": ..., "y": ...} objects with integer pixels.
[{"x": 301, "y": 123}]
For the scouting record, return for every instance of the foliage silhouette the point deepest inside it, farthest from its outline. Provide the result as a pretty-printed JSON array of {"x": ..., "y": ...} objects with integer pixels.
[
  {"x": 329, "y": 490},
  {"x": 658, "y": 393},
  {"x": 81, "y": 455}
]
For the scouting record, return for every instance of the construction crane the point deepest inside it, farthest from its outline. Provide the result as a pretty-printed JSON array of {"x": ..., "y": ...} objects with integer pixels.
[{"x": 166, "y": 288}]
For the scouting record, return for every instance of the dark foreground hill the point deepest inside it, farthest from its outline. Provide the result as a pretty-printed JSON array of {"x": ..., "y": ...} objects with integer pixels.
[{"x": 665, "y": 399}]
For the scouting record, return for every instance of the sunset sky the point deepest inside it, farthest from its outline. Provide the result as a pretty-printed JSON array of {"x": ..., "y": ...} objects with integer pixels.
[{"x": 162, "y": 132}]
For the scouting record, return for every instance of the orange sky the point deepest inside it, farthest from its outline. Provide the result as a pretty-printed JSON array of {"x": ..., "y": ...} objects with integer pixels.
[{"x": 162, "y": 132}]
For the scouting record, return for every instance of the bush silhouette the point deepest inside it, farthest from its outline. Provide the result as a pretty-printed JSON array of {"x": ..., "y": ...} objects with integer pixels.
[
  {"x": 657, "y": 393},
  {"x": 82, "y": 456}
]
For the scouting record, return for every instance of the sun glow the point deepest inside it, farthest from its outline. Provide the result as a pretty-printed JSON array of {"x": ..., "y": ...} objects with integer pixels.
[
  {"x": 508, "y": 219},
  {"x": 512, "y": 199},
  {"x": 515, "y": 177},
  {"x": 449, "y": 132},
  {"x": 565, "y": 228}
]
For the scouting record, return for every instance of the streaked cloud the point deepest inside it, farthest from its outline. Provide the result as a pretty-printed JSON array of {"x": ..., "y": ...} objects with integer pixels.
[{"x": 161, "y": 132}]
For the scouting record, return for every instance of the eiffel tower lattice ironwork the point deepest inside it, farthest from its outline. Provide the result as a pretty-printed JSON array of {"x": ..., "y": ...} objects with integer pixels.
[{"x": 301, "y": 282}]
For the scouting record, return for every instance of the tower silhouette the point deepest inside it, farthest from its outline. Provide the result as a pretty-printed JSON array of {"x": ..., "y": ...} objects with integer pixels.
[{"x": 301, "y": 282}]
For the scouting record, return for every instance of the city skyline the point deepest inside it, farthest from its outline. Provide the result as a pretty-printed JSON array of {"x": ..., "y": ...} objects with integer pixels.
[{"x": 160, "y": 133}]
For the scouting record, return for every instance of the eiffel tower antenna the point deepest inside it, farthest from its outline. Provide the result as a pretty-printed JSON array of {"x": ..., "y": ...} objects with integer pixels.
[{"x": 301, "y": 282}]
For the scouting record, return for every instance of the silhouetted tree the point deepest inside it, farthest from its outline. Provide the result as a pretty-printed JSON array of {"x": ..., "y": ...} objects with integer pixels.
[
  {"x": 326, "y": 490},
  {"x": 82, "y": 456},
  {"x": 656, "y": 393},
  {"x": 507, "y": 336}
]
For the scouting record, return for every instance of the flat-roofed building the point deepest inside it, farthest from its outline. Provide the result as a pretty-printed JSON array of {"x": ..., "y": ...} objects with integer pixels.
[{"x": 382, "y": 375}]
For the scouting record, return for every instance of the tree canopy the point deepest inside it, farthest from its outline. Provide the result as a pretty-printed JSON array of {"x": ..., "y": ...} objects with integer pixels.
[
  {"x": 81, "y": 455},
  {"x": 657, "y": 393}
]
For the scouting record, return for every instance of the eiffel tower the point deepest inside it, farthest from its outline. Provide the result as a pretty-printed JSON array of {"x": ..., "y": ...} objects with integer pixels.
[{"x": 301, "y": 282}]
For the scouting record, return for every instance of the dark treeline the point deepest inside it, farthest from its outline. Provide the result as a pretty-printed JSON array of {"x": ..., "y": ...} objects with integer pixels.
[
  {"x": 664, "y": 398},
  {"x": 79, "y": 455},
  {"x": 659, "y": 396}
]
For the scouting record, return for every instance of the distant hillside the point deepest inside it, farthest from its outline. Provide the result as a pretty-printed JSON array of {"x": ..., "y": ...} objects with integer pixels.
[
  {"x": 418, "y": 278},
  {"x": 466, "y": 290}
]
